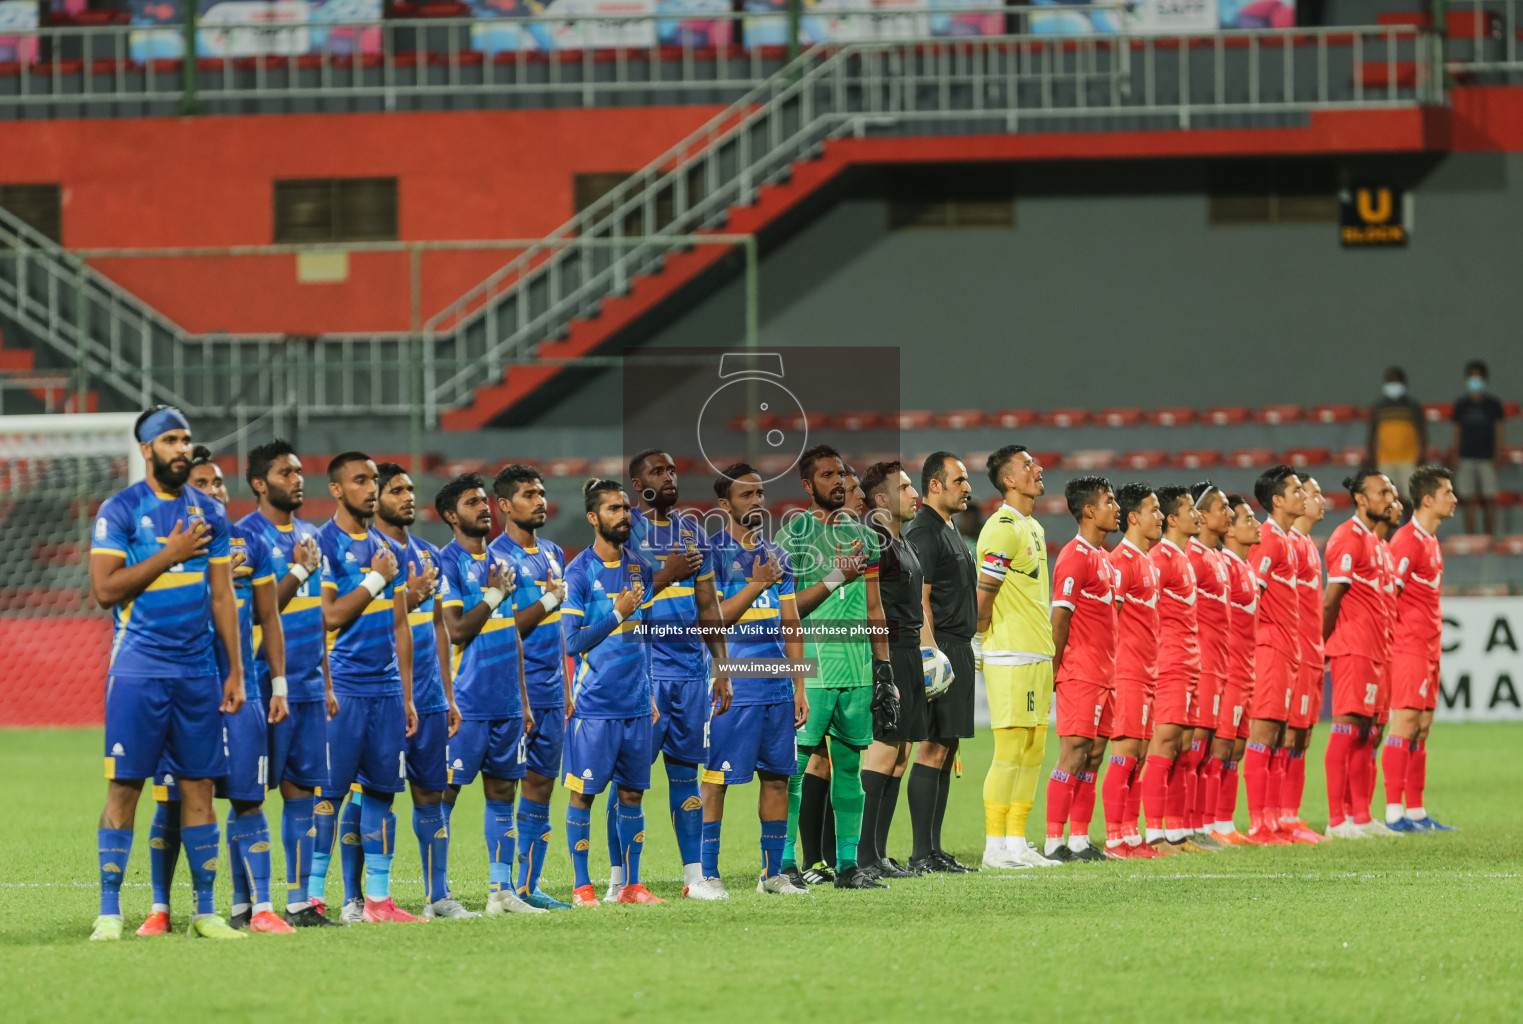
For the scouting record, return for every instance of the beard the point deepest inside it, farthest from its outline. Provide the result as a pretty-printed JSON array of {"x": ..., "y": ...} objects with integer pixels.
[
  {"x": 174, "y": 473},
  {"x": 282, "y": 500},
  {"x": 357, "y": 513},
  {"x": 533, "y": 522},
  {"x": 473, "y": 530},
  {"x": 830, "y": 501},
  {"x": 615, "y": 535},
  {"x": 396, "y": 517}
]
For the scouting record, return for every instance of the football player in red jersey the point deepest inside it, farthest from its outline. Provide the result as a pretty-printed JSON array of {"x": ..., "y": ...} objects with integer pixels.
[
  {"x": 1084, "y": 665},
  {"x": 1362, "y": 765},
  {"x": 1213, "y": 610},
  {"x": 1136, "y": 604},
  {"x": 1277, "y": 655},
  {"x": 1306, "y": 698},
  {"x": 1419, "y": 575},
  {"x": 1354, "y": 621},
  {"x": 1232, "y": 725}
]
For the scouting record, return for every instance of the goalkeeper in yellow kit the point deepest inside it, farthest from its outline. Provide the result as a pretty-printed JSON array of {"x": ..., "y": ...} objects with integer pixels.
[{"x": 1015, "y": 645}]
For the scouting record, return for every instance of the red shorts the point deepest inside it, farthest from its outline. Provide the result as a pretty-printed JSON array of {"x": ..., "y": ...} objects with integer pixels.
[
  {"x": 1306, "y": 696},
  {"x": 1273, "y": 679},
  {"x": 1206, "y": 705},
  {"x": 1171, "y": 699},
  {"x": 1232, "y": 720},
  {"x": 1356, "y": 685},
  {"x": 1084, "y": 709},
  {"x": 1132, "y": 704},
  {"x": 1414, "y": 681}
]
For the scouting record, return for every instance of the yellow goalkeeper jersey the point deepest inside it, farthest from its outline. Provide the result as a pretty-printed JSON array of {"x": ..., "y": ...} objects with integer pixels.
[{"x": 1012, "y": 550}]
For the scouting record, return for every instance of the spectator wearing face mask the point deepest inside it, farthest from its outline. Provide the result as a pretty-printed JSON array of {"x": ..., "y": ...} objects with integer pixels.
[
  {"x": 1476, "y": 453},
  {"x": 1398, "y": 431}
]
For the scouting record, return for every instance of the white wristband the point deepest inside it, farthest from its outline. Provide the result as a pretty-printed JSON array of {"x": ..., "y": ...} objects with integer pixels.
[
  {"x": 618, "y": 616},
  {"x": 374, "y": 582},
  {"x": 301, "y": 572},
  {"x": 550, "y": 602},
  {"x": 834, "y": 578},
  {"x": 278, "y": 686},
  {"x": 493, "y": 597}
]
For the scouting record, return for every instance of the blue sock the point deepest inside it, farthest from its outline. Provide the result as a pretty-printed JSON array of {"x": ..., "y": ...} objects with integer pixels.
[
  {"x": 773, "y": 834},
  {"x": 236, "y": 873},
  {"x": 611, "y": 820},
  {"x": 296, "y": 834},
  {"x": 202, "y": 845},
  {"x": 433, "y": 848},
  {"x": 164, "y": 851},
  {"x": 113, "y": 846},
  {"x": 578, "y": 839},
  {"x": 351, "y": 848},
  {"x": 253, "y": 838},
  {"x": 378, "y": 838},
  {"x": 325, "y": 824},
  {"x": 632, "y": 839},
  {"x": 711, "y": 848},
  {"x": 533, "y": 842},
  {"x": 448, "y": 809},
  {"x": 502, "y": 844},
  {"x": 687, "y": 809}
]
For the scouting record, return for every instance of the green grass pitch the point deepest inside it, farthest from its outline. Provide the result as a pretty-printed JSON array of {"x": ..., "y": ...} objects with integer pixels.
[{"x": 1419, "y": 928}]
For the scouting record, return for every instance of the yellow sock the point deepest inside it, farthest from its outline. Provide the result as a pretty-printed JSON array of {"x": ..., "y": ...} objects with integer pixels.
[
  {"x": 1015, "y": 821},
  {"x": 999, "y": 783}
]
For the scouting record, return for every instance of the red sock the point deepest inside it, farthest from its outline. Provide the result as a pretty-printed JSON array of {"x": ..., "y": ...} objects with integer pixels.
[
  {"x": 1210, "y": 786},
  {"x": 1226, "y": 800},
  {"x": 1256, "y": 780},
  {"x": 1133, "y": 808},
  {"x": 1060, "y": 797},
  {"x": 1174, "y": 798},
  {"x": 1417, "y": 773},
  {"x": 1274, "y": 786},
  {"x": 1396, "y": 762},
  {"x": 1118, "y": 780},
  {"x": 1361, "y": 778},
  {"x": 1190, "y": 767},
  {"x": 1083, "y": 805},
  {"x": 1155, "y": 788},
  {"x": 1340, "y": 747},
  {"x": 1295, "y": 783}
]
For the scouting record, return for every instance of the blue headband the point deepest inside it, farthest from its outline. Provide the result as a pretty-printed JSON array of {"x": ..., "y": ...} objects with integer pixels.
[{"x": 161, "y": 422}]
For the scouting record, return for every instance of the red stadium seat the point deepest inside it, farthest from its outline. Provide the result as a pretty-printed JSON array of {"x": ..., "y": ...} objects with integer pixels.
[
  {"x": 612, "y": 467},
  {"x": 1352, "y": 456},
  {"x": 1172, "y": 416},
  {"x": 1012, "y": 419},
  {"x": 1511, "y": 409},
  {"x": 1146, "y": 459},
  {"x": 807, "y": 421},
  {"x": 1338, "y": 499},
  {"x": 1065, "y": 417},
  {"x": 1306, "y": 456},
  {"x": 1047, "y": 460},
  {"x": 975, "y": 461},
  {"x": 766, "y": 421},
  {"x": 1251, "y": 458},
  {"x": 1514, "y": 454},
  {"x": 574, "y": 466},
  {"x": 960, "y": 419},
  {"x": 1051, "y": 505},
  {"x": 914, "y": 419},
  {"x": 913, "y": 463},
  {"x": 771, "y": 465},
  {"x": 864, "y": 420},
  {"x": 1090, "y": 458},
  {"x": 1437, "y": 412},
  {"x": 1121, "y": 417},
  {"x": 991, "y": 506},
  {"x": 1273, "y": 414},
  {"x": 685, "y": 464},
  {"x": 1466, "y": 544},
  {"x": 1512, "y": 544},
  {"x": 1335, "y": 413},
  {"x": 1227, "y": 415},
  {"x": 463, "y": 466},
  {"x": 1196, "y": 458}
]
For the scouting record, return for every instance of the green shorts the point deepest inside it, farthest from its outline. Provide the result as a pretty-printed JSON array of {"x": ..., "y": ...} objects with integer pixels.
[{"x": 845, "y": 715}]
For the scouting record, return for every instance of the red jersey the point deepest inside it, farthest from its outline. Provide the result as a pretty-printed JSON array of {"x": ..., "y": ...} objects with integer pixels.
[
  {"x": 1388, "y": 592},
  {"x": 1243, "y": 596},
  {"x": 1274, "y": 563},
  {"x": 1212, "y": 613},
  {"x": 1178, "y": 639},
  {"x": 1419, "y": 574},
  {"x": 1083, "y": 582},
  {"x": 1354, "y": 558},
  {"x": 1309, "y": 593},
  {"x": 1136, "y": 592}
]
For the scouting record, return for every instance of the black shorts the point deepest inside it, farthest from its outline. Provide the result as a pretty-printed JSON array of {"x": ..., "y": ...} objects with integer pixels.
[
  {"x": 914, "y": 709},
  {"x": 952, "y": 712}
]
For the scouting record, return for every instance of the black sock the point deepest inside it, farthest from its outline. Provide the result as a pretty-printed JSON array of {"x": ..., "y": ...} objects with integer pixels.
[
  {"x": 922, "y": 787},
  {"x": 943, "y": 790},
  {"x": 828, "y": 831},
  {"x": 886, "y": 813},
  {"x": 812, "y": 818},
  {"x": 874, "y": 785}
]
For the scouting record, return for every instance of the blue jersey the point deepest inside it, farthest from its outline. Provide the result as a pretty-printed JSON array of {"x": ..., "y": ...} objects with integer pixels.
[
  {"x": 166, "y": 630},
  {"x": 486, "y": 668},
  {"x": 427, "y": 679},
  {"x": 256, "y": 556},
  {"x": 302, "y": 618},
  {"x": 612, "y": 658},
  {"x": 544, "y": 650},
  {"x": 362, "y": 657},
  {"x": 758, "y": 633},
  {"x": 677, "y": 651}
]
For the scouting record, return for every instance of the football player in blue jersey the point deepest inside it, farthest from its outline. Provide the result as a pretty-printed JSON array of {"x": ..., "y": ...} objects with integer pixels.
[
  {"x": 370, "y": 659},
  {"x": 683, "y": 621},
  {"x": 432, "y": 687},
  {"x": 612, "y": 710},
  {"x": 756, "y": 735},
  {"x": 489, "y": 679},
  {"x": 160, "y": 559},
  {"x": 539, "y": 568},
  {"x": 298, "y": 744}
]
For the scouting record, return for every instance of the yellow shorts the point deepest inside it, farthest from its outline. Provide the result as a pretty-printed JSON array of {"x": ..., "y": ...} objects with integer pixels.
[{"x": 1019, "y": 695}]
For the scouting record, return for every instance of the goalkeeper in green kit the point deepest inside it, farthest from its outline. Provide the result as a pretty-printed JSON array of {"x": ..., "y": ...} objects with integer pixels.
[{"x": 835, "y": 563}]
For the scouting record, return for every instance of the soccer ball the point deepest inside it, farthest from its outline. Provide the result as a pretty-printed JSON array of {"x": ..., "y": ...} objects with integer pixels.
[{"x": 936, "y": 671}]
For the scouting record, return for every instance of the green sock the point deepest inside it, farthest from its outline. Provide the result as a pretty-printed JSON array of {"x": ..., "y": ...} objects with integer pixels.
[
  {"x": 846, "y": 797},
  {"x": 795, "y": 793}
]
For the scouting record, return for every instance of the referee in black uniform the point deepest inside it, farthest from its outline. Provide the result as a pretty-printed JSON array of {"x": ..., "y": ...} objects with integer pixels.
[{"x": 951, "y": 614}]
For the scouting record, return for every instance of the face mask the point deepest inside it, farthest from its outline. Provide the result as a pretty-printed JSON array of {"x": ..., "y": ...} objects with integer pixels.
[
  {"x": 1475, "y": 384},
  {"x": 1394, "y": 389}
]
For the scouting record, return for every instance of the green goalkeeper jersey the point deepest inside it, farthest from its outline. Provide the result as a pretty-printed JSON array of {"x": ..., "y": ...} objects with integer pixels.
[{"x": 835, "y": 632}]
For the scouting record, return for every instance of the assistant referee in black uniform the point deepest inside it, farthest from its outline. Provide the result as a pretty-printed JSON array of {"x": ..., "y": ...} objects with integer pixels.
[{"x": 950, "y": 609}]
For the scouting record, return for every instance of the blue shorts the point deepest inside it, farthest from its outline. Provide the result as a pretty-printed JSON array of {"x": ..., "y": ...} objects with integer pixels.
[
  {"x": 495, "y": 749},
  {"x": 748, "y": 738},
  {"x": 174, "y": 721},
  {"x": 542, "y": 750},
  {"x": 299, "y": 745},
  {"x": 247, "y": 778},
  {"x": 428, "y": 752},
  {"x": 602, "y": 749},
  {"x": 367, "y": 743},
  {"x": 684, "y": 707}
]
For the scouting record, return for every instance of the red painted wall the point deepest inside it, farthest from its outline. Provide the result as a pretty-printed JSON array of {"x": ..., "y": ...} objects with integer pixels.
[{"x": 157, "y": 182}]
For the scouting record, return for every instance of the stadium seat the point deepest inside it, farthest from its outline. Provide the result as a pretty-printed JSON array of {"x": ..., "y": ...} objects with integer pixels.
[
  {"x": 1275, "y": 414},
  {"x": 1337, "y": 498},
  {"x": 1122, "y": 417},
  {"x": 574, "y": 466},
  {"x": 1512, "y": 544},
  {"x": 610, "y": 466},
  {"x": 1051, "y": 505},
  {"x": 521, "y": 460},
  {"x": 1146, "y": 459},
  {"x": 1335, "y": 413},
  {"x": 1195, "y": 458},
  {"x": 1090, "y": 459},
  {"x": 1351, "y": 456},
  {"x": 1465, "y": 544},
  {"x": 1227, "y": 415},
  {"x": 863, "y": 420},
  {"x": 1065, "y": 417},
  {"x": 914, "y": 419},
  {"x": 1437, "y": 412},
  {"x": 913, "y": 464},
  {"x": 975, "y": 461},
  {"x": 1306, "y": 456},
  {"x": 990, "y": 506},
  {"x": 1047, "y": 460},
  {"x": 1511, "y": 409},
  {"x": 772, "y": 465},
  {"x": 1012, "y": 419},
  {"x": 459, "y": 466},
  {"x": 807, "y": 421},
  {"x": 766, "y": 421},
  {"x": 1513, "y": 453},
  {"x": 1172, "y": 416},
  {"x": 1251, "y": 458},
  {"x": 961, "y": 419}
]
